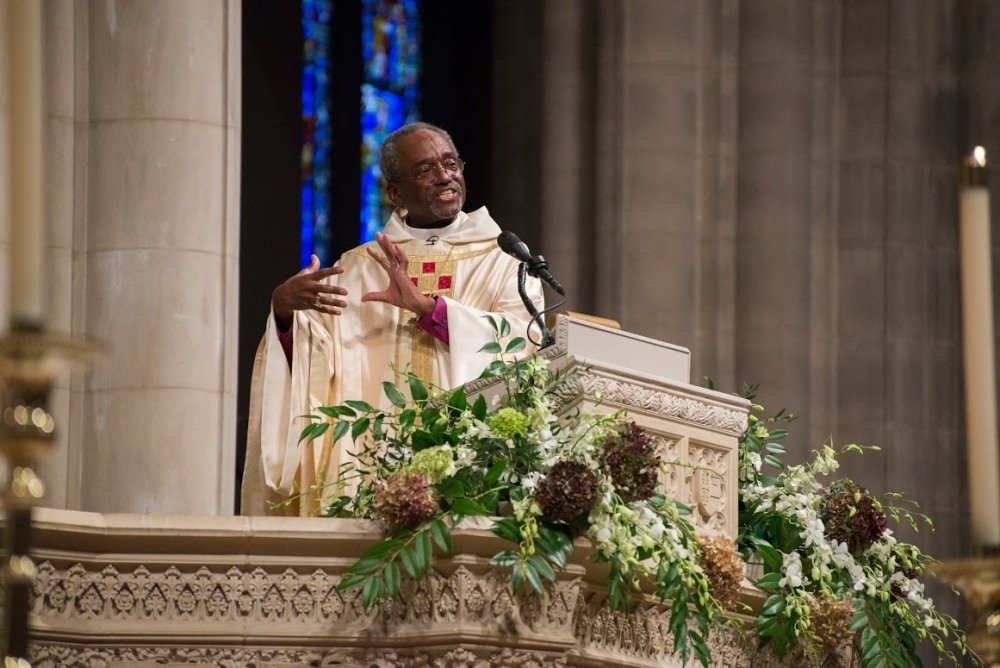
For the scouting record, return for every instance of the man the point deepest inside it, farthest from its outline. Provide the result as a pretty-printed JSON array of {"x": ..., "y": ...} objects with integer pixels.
[{"x": 415, "y": 299}]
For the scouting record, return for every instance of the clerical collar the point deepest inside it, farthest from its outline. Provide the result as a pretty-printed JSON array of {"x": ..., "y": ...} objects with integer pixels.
[{"x": 433, "y": 234}]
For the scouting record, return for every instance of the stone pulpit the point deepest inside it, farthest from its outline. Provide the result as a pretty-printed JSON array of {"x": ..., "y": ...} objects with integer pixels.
[{"x": 116, "y": 591}]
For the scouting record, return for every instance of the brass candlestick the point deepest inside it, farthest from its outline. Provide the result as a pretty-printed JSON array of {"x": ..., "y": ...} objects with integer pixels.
[
  {"x": 979, "y": 581},
  {"x": 29, "y": 361}
]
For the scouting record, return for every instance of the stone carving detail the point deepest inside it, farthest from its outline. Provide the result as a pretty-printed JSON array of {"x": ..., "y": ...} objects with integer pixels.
[
  {"x": 568, "y": 616},
  {"x": 669, "y": 449},
  {"x": 290, "y": 597},
  {"x": 662, "y": 403},
  {"x": 58, "y": 656},
  {"x": 709, "y": 486}
]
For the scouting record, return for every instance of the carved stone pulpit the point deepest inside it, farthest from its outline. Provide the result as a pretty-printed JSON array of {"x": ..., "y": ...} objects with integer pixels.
[{"x": 117, "y": 591}]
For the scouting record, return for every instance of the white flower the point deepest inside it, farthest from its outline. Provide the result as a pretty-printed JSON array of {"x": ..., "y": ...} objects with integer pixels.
[{"x": 791, "y": 566}]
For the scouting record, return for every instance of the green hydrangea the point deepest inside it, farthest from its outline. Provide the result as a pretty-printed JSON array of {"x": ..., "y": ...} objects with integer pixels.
[
  {"x": 435, "y": 463},
  {"x": 508, "y": 423}
]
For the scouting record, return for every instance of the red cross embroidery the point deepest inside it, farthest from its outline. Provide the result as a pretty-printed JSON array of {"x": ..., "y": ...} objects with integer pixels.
[
  {"x": 428, "y": 267},
  {"x": 444, "y": 282}
]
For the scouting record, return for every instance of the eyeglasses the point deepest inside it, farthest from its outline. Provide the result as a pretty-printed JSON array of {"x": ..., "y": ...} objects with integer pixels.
[{"x": 428, "y": 172}]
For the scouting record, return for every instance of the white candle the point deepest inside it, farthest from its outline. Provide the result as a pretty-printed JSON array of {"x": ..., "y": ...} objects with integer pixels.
[
  {"x": 24, "y": 67},
  {"x": 977, "y": 329}
]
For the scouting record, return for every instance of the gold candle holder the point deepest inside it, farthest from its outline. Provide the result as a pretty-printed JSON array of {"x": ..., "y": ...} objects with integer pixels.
[
  {"x": 979, "y": 581},
  {"x": 29, "y": 361}
]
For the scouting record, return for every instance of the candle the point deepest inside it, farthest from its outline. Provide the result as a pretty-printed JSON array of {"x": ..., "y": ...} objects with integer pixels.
[
  {"x": 977, "y": 330},
  {"x": 24, "y": 67}
]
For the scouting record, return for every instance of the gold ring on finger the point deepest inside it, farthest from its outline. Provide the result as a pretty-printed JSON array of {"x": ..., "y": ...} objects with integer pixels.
[{"x": 317, "y": 303}]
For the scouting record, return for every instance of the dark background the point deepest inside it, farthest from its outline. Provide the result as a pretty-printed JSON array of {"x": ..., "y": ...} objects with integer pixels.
[{"x": 456, "y": 91}]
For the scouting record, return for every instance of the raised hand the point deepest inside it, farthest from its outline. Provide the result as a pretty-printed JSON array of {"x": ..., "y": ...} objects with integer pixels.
[
  {"x": 305, "y": 290},
  {"x": 401, "y": 291}
]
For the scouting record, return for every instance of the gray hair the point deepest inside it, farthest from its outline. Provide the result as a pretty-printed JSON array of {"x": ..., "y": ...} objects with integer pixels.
[{"x": 388, "y": 158}]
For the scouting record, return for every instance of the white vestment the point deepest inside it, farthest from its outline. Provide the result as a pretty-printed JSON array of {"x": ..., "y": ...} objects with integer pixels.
[{"x": 336, "y": 358}]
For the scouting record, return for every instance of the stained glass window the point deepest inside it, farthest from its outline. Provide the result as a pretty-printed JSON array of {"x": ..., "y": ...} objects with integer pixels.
[
  {"x": 390, "y": 39},
  {"x": 315, "y": 223}
]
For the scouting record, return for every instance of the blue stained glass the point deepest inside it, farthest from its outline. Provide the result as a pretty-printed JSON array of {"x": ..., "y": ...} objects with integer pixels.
[
  {"x": 390, "y": 39},
  {"x": 315, "y": 164}
]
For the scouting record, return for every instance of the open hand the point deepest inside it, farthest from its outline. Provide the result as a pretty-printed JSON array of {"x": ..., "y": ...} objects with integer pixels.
[
  {"x": 401, "y": 291},
  {"x": 305, "y": 290}
]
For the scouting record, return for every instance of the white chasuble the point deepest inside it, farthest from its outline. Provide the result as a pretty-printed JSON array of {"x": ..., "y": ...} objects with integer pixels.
[{"x": 336, "y": 358}]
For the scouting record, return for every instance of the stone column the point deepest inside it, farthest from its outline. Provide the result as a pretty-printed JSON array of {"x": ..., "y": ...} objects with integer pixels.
[
  {"x": 62, "y": 194},
  {"x": 160, "y": 258}
]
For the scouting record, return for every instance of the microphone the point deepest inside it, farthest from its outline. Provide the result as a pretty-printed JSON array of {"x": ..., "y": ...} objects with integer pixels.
[{"x": 537, "y": 266}]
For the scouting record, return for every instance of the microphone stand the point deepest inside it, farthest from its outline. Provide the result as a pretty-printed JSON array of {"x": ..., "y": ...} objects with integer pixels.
[{"x": 547, "y": 338}]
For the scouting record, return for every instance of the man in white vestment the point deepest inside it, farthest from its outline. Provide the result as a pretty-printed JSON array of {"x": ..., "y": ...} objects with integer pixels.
[{"x": 414, "y": 299}]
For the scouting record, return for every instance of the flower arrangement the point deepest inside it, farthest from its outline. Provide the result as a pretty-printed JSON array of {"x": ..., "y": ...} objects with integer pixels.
[{"x": 830, "y": 564}]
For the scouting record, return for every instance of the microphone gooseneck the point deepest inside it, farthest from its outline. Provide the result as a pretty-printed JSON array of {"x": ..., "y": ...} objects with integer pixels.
[{"x": 536, "y": 264}]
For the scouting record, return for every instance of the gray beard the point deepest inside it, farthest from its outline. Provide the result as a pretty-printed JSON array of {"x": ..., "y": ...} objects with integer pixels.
[{"x": 448, "y": 211}]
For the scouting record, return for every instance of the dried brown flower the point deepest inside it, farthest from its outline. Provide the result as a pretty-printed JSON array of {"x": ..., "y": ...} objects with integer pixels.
[
  {"x": 722, "y": 566},
  {"x": 568, "y": 491},
  {"x": 403, "y": 499},
  {"x": 630, "y": 460}
]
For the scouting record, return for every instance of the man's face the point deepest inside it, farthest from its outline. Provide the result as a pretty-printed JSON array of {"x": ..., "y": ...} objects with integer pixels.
[{"x": 435, "y": 198}]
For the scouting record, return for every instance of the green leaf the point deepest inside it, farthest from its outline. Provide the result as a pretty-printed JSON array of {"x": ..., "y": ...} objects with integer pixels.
[
  {"x": 515, "y": 345},
  {"x": 422, "y": 440},
  {"x": 542, "y": 567},
  {"x": 771, "y": 460},
  {"x": 505, "y": 558},
  {"x": 337, "y": 411},
  {"x": 380, "y": 550},
  {"x": 479, "y": 408},
  {"x": 776, "y": 448},
  {"x": 365, "y": 565},
  {"x": 517, "y": 577},
  {"x": 504, "y": 327},
  {"x": 429, "y": 417},
  {"x": 407, "y": 419},
  {"x": 359, "y": 427},
  {"x": 493, "y": 475},
  {"x": 372, "y": 590},
  {"x": 772, "y": 558},
  {"x": 360, "y": 406},
  {"x": 858, "y": 621},
  {"x": 350, "y": 582},
  {"x": 338, "y": 432},
  {"x": 442, "y": 536},
  {"x": 392, "y": 392},
  {"x": 534, "y": 578},
  {"x": 467, "y": 507},
  {"x": 458, "y": 401},
  {"x": 409, "y": 559},
  {"x": 492, "y": 321},
  {"x": 392, "y": 579},
  {"x": 417, "y": 388},
  {"x": 451, "y": 487},
  {"x": 492, "y": 347},
  {"x": 422, "y": 548},
  {"x": 769, "y": 582},
  {"x": 493, "y": 369},
  {"x": 507, "y": 529},
  {"x": 773, "y": 605}
]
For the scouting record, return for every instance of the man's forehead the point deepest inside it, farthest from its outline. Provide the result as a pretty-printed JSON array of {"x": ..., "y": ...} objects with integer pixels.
[{"x": 424, "y": 145}]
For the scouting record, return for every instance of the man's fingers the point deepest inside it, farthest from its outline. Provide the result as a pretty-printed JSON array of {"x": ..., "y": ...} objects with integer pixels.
[
  {"x": 329, "y": 271},
  {"x": 313, "y": 266},
  {"x": 375, "y": 297},
  {"x": 331, "y": 289},
  {"x": 378, "y": 257}
]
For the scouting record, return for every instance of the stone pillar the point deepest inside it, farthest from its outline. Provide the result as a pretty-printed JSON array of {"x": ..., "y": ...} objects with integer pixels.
[
  {"x": 61, "y": 20},
  {"x": 4, "y": 178},
  {"x": 160, "y": 256}
]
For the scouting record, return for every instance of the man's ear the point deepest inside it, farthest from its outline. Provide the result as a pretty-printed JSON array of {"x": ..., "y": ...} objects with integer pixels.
[{"x": 392, "y": 188}]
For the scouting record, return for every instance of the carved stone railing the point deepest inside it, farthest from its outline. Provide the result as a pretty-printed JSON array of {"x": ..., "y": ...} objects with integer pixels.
[{"x": 117, "y": 591}]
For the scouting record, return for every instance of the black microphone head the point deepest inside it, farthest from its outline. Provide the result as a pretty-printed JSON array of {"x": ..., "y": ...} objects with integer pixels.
[{"x": 507, "y": 241}]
